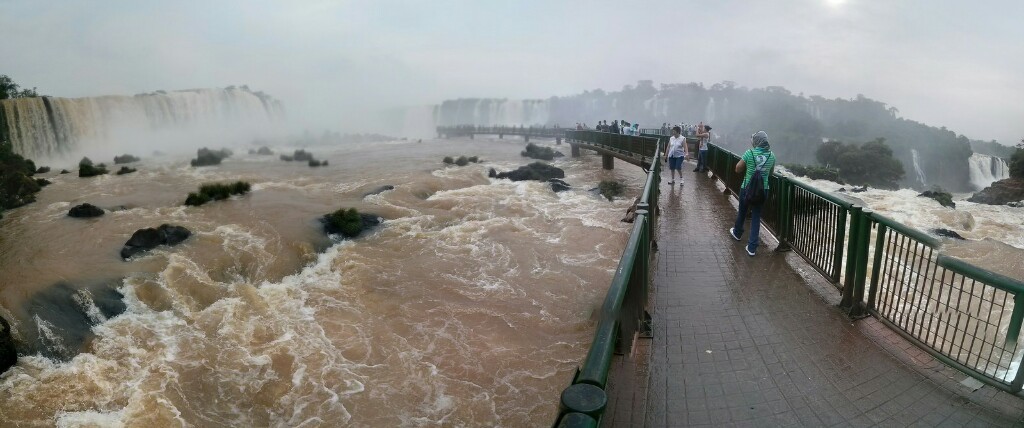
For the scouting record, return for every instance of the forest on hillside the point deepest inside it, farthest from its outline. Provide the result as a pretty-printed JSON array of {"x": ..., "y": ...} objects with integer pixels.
[{"x": 798, "y": 124}]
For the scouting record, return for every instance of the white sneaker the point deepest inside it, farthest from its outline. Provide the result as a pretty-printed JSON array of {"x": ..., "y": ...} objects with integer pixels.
[
  {"x": 732, "y": 233},
  {"x": 671, "y": 182},
  {"x": 749, "y": 253}
]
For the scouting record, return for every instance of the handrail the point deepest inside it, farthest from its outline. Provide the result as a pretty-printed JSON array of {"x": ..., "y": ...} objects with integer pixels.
[
  {"x": 583, "y": 401},
  {"x": 913, "y": 290}
]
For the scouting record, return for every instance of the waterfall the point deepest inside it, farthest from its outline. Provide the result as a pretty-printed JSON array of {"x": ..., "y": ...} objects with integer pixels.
[
  {"x": 985, "y": 170},
  {"x": 489, "y": 112},
  {"x": 917, "y": 168},
  {"x": 709, "y": 111},
  {"x": 45, "y": 127}
]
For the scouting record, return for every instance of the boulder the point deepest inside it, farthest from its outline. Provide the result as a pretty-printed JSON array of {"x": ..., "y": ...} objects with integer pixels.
[
  {"x": 8, "y": 355},
  {"x": 348, "y": 223},
  {"x": 380, "y": 190},
  {"x": 492, "y": 173},
  {"x": 64, "y": 171},
  {"x": 611, "y": 188},
  {"x": 262, "y": 151},
  {"x": 1001, "y": 192},
  {"x": 43, "y": 170},
  {"x": 559, "y": 185},
  {"x": 68, "y": 313},
  {"x": 42, "y": 182},
  {"x": 859, "y": 189},
  {"x": 207, "y": 157},
  {"x": 125, "y": 158},
  {"x": 538, "y": 152},
  {"x": 85, "y": 211},
  {"x": 943, "y": 198},
  {"x": 539, "y": 171},
  {"x": 302, "y": 156},
  {"x": 146, "y": 239},
  {"x": 287, "y": 158},
  {"x": 88, "y": 170},
  {"x": 125, "y": 170},
  {"x": 315, "y": 163},
  {"x": 948, "y": 233},
  {"x": 1017, "y": 204}
]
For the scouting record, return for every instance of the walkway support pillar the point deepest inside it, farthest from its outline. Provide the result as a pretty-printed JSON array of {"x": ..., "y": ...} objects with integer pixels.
[
  {"x": 558, "y": 140},
  {"x": 500, "y": 136},
  {"x": 527, "y": 137},
  {"x": 575, "y": 150},
  {"x": 607, "y": 161},
  {"x": 470, "y": 136}
]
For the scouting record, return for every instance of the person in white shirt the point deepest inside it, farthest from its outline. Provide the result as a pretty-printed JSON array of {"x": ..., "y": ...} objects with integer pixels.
[{"x": 676, "y": 153}]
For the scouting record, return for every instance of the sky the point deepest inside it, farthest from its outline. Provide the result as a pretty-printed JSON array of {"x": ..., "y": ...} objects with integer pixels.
[{"x": 336, "y": 64}]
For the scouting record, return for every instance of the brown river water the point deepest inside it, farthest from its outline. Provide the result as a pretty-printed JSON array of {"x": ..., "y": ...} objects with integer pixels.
[{"x": 470, "y": 305}]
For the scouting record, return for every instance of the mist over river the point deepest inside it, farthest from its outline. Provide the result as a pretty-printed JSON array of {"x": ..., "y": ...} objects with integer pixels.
[{"x": 470, "y": 305}]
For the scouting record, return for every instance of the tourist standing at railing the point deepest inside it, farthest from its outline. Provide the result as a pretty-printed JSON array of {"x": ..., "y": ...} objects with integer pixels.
[
  {"x": 757, "y": 161},
  {"x": 636, "y": 129},
  {"x": 675, "y": 154},
  {"x": 704, "y": 133},
  {"x": 614, "y": 129}
]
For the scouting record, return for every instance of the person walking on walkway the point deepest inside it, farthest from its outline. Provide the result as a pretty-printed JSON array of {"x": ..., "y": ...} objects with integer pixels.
[
  {"x": 704, "y": 133},
  {"x": 759, "y": 163},
  {"x": 677, "y": 151}
]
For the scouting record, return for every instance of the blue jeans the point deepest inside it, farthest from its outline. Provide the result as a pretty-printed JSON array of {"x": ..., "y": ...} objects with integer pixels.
[
  {"x": 702, "y": 159},
  {"x": 755, "y": 221}
]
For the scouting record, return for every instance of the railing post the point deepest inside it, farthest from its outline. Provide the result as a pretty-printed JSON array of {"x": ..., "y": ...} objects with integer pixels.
[
  {"x": 785, "y": 214},
  {"x": 876, "y": 265},
  {"x": 851, "y": 257},
  {"x": 857, "y": 308}
]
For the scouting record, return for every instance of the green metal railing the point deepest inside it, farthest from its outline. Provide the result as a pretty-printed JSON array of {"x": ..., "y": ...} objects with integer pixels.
[
  {"x": 623, "y": 313},
  {"x": 628, "y": 145},
  {"x": 963, "y": 315},
  {"x": 527, "y": 131}
]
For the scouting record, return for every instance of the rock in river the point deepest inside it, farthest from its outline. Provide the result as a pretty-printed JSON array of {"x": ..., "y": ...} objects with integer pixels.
[
  {"x": 8, "y": 355},
  {"x": 85, "y": 211},
  {"x": 146, "y": 239},
  {"x": 535, "y": 171}
]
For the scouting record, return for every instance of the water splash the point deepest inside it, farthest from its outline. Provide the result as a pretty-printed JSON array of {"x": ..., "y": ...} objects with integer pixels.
[{"x": 985, "y": 170}]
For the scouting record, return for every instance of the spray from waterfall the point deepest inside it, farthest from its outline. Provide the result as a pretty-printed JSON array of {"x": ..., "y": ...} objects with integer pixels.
[
  {"x": 985, "y": 170},
  {"x": 917, "y": 168},
  {"x": 48, "y": 128}
]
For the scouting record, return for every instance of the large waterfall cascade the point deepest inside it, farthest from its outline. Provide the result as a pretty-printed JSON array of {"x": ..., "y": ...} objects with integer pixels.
[
  {"x": 985, "y": 170},
  {"x": 45, "y": 127}
]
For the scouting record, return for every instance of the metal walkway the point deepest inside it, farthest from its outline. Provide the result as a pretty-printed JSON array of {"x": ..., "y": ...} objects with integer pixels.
[{"x": 741, "y": 341}]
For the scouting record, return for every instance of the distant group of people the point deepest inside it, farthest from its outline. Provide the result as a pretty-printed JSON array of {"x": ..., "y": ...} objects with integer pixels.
[{"x": 619, "y": 127}]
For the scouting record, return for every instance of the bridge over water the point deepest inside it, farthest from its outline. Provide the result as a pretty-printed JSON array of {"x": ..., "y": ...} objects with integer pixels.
[{"x": 844, "y": 317}]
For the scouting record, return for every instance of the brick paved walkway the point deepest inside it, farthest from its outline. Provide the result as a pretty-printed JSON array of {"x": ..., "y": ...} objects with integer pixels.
[{"x": 743, "y": 341}]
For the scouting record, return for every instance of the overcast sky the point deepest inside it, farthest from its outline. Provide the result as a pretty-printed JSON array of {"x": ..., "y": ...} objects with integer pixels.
[{"x": 946, "y": 63}]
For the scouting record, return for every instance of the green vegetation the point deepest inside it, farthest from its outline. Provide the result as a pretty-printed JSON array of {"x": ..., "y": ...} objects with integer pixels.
[
  {"x": 611, "y": 188},
  {"x": 216, "y": 192},
  {"x": 461, "y": 160},
  {"x": 815, "y": 172},
  {"x": 348, "y": 222},
  {"x": 9, "y": 89},
  {"x": 871, "y": 163},
  {"x": 86, "y": 168},
  {"x": 17, "y": 187},
  {"x": 537, "y": 152},
  {"x": 1017, "y": 161},
  {"x": 941, "y": 196}
]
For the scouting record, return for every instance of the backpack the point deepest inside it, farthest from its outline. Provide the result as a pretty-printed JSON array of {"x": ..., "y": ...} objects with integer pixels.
[{"x": 756, "y": 193}]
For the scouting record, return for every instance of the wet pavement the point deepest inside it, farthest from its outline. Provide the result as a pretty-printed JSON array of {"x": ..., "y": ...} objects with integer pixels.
[{"x": 759, "y": 341}]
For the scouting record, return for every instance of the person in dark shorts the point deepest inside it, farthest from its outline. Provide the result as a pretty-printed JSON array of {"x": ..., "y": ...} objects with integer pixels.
[{"x": 675, "y": 154}]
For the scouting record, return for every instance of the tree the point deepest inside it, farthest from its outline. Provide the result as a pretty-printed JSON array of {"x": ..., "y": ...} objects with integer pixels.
[
  {"x": 9, "y": 89},
  {"x": 1017, "y": 161}
]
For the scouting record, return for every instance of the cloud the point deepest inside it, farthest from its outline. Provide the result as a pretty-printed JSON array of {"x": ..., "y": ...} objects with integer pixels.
[{"x": 334, "y": 63}]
